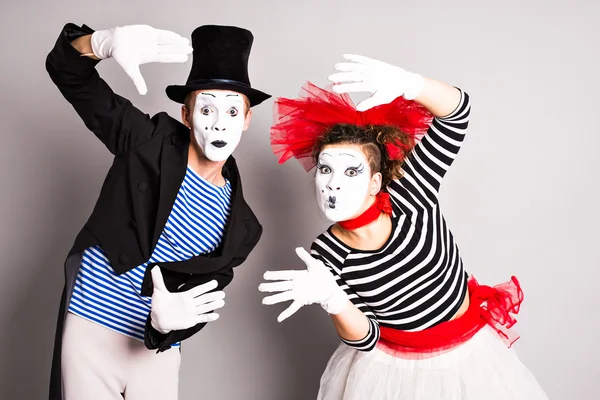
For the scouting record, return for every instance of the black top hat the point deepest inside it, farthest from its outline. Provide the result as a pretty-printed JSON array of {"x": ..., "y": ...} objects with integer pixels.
[{"x": 220, "y": 61}]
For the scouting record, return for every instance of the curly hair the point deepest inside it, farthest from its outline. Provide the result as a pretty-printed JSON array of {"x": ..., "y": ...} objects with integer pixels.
[{"x": 373, "y": 140}]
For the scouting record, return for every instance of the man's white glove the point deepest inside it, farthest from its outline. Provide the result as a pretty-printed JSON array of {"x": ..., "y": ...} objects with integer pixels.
[
  {"x": 315, "y": 284},
  {"x": 385, "y": 81},
  {"x": 175, "y": 311},
  {"x": 134, "y": 45}
]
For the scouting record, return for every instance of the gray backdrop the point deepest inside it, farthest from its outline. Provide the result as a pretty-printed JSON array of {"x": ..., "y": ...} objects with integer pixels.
[{"x": 521, "y": 199}]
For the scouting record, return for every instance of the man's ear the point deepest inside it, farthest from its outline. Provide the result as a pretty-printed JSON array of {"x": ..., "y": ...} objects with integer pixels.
[
  {"x": 186, "y": 117},
  {"x": 247, "y": 119},
  {"x": 376, "y": 180}
]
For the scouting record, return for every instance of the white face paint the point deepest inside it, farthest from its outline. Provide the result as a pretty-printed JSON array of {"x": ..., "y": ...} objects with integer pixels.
[
  {"x": 218, "y": 122},
  {"x": 342, "y": 182}
]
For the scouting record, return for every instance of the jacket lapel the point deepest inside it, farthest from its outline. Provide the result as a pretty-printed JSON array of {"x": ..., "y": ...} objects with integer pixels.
[
  {"x": 233, "y": 237},
  {"x": 173, "y": 166}
]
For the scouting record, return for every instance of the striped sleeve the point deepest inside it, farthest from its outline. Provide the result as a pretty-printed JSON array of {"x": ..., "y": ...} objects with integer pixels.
[
  {"x": 370, "y": 340},
  {"x": 433, "y": 155}
]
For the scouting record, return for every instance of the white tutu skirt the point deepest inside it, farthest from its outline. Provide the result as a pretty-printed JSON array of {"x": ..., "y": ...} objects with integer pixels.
[{"x": 481, "y": 369}]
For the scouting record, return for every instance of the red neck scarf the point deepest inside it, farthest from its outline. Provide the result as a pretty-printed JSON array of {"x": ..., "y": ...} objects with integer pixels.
[{"x": 380, "y": 205}]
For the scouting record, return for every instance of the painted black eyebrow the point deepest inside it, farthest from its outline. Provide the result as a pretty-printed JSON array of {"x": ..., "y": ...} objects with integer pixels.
[
  {"x": 209, "y": 94},
  {"x": 360, "y": 167},
  {"x": 231, "y": 95}
]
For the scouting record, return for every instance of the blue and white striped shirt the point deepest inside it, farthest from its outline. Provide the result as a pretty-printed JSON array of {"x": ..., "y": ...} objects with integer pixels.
[{"x": 195, "y": 226}]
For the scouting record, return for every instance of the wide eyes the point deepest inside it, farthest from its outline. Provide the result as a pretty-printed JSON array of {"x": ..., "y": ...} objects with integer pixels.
[
  {"x": 324, "y": 169},
  {"x": 351, "y": 172},
  {"x": 232, "y": 112}
]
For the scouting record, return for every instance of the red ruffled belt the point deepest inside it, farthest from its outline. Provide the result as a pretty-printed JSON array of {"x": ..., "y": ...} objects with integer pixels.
[{"x": 491, "y": 306}]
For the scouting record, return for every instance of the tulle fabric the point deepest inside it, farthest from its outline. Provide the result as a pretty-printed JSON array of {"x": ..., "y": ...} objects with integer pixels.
[
  {"x": 493, "y": 306},
  {"x": 468, "y": 358},
  {"x": 483, "y": 368},
  {"x": 299, "y": 122}
]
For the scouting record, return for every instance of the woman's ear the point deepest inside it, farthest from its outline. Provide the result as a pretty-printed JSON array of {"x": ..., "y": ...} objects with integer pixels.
[{"x": 376, "y": 180}]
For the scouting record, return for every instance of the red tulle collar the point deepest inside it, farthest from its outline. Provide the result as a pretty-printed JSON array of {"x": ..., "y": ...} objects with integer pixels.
[{"x": 381, "y": 204}]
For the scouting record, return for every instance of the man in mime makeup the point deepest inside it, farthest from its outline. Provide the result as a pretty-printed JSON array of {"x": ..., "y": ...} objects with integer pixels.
[{"x": 149, "y": 266}]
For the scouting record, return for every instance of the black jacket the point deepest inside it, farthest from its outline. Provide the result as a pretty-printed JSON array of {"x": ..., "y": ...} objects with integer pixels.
[{"x": 150, "y": 161}]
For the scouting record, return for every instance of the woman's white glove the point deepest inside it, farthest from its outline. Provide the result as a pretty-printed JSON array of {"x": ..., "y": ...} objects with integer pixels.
[
  {"x": 134, "y": 45},
  {"x": 385, "y": 81},
  {"x": 175, "y": 311},
  {"x": 315, "y": 284}
]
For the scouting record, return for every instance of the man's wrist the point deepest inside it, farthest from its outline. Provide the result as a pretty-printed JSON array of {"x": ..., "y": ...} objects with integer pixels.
[{"x": 83, "y": 44}]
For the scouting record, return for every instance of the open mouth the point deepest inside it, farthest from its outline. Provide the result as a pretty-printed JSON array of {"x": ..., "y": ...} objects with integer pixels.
[{"x": 219, "y": 143}]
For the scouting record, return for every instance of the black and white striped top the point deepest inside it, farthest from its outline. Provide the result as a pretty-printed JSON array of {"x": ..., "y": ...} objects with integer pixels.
[{"x": 416, "y": 280}]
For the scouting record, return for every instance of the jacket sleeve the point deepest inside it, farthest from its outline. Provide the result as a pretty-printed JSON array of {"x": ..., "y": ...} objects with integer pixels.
[
  {"x": 112, "y": 118},
  {"x": 155, "y": 340}
]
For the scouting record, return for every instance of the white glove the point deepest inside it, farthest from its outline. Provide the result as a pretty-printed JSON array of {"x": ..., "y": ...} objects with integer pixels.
[
  {"x": 315, "y": 284},
  {"x": 385, "y": 81},
  {"x": 174, "y": 311},
  {"x": 134, "y": 45}
]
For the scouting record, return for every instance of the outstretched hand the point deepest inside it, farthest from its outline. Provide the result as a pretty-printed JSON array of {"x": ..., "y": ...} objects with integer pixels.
[
  {"x": 134, "y": 45},
  {"x": 175, "y": 311},
  {"x": 315, "y": 284},
  {"x": 387, "y": 82}
]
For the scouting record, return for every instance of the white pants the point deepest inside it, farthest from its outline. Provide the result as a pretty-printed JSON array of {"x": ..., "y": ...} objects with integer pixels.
[{"x": 100, "y": 364}]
